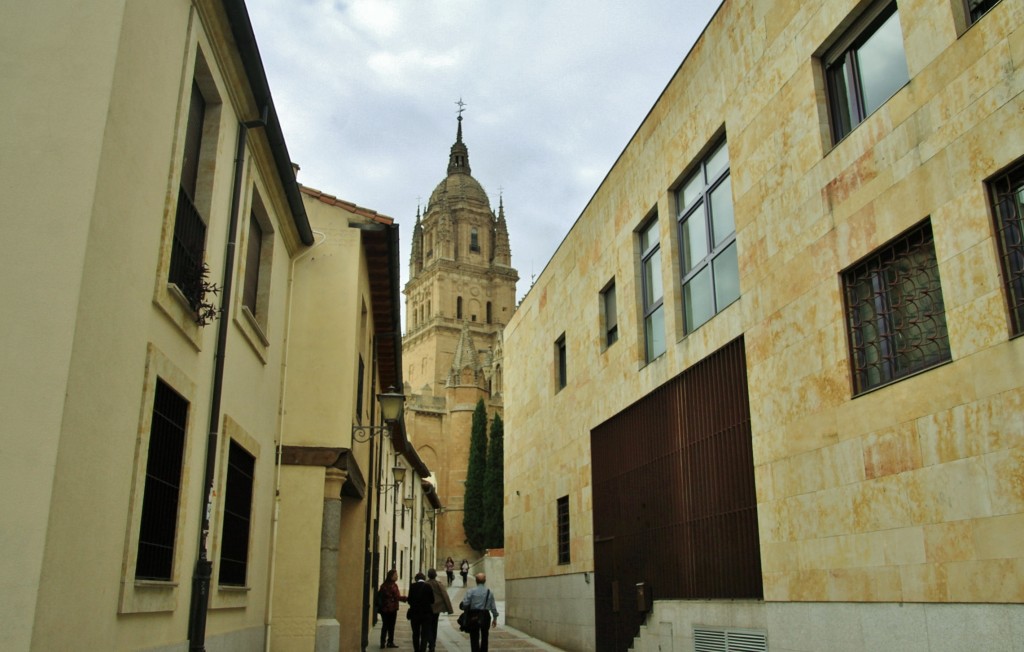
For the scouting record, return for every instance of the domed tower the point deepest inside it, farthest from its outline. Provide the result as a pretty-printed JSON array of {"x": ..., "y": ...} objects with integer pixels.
[{"x": 461, "y": 293}]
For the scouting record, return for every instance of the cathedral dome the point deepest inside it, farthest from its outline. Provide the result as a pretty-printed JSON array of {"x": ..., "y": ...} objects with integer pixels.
[{"x": 459, "y": 186}]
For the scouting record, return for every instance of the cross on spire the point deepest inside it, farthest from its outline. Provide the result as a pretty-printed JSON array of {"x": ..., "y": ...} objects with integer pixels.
[{"x": 462, "y": 107}]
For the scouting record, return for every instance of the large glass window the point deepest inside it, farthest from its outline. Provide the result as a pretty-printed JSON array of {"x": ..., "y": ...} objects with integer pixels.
[
  {"x": 654, "y": 316},
  {"x": 896, "y": 318},
  {"x": 707, "y": 233},
  {"x": 1007, "y": 192},
  {"x": 865, "y": 68}
]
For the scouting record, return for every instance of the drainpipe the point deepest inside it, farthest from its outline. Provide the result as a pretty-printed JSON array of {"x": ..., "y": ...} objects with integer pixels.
[
  {"x": 369, "y": 567},
  {"x": 200, "y": 598}
]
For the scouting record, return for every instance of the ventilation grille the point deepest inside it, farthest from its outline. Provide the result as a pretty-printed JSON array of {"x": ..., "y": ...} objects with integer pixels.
[{"x": 729, "y": 640}]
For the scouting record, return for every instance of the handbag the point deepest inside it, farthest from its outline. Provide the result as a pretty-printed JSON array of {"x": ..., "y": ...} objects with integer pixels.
[{"x": 467, "y": 621}]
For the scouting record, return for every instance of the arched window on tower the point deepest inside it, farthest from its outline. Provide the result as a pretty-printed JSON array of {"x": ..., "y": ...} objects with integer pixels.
[
  {"x": 474, "y": 240},
  {"x": 458, "y": 308},
  {"x": 488, "y": 312}
]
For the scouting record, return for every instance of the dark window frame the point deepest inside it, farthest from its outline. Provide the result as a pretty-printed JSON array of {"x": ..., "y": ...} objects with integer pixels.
[
  {"x": 609, "y": 314},
  {"x": 563, "y": 540},
  {"x": 1006, "y": 194},
  {"x": 701, "y": 209},
  {"x": 844, "y": 78},
  {"x": 651, "y": 308},
  {"x": 894, "y": 311},
  {"x": 253, "y": 250},
  {"x": 163, "y": 485},
  {"x": 188, "y": 244},
  {"x": 561, "y": 364},
  {"x": 974, "y": 13},
  {"x": 474, "y": 239},
  {"x": 236, "y": 526}
]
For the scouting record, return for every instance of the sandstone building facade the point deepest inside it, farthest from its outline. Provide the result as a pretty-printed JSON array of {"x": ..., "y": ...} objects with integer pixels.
[
  {"x": 460, "y": 294},
  {"x": 785, "y": 379}
]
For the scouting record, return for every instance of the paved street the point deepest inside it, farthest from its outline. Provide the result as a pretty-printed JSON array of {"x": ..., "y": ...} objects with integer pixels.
[{"x": 450, "y": 639}]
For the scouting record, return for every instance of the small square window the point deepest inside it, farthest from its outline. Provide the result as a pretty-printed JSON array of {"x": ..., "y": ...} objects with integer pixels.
[
  {"x": 563, "y": 530},
  {"x": 895, "y": 314},
  {"x": 865, "y": 68},
  {"x": 1007, "y": 196}
]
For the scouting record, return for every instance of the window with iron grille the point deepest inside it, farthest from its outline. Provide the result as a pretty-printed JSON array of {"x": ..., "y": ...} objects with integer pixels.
[
  {"x": 563, "y": 530},
  {"x": 1007, "y": 192},
  {"x": 896, "y": 318},
  {"x": 977, "y": 8},
  {"x": 609, "y": 316},
  {"x": 234, "y": 552},
  {"x": 707, "y": 233},
  {"x": 162, "y": 491},
  {"x": 651, "y": 286},
  {"x": 189, "y": 240},
  {"x": 865, "y": 67}
]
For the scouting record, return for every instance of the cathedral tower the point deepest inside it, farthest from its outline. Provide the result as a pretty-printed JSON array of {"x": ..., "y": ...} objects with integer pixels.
[{"x": 461, "y": 293}]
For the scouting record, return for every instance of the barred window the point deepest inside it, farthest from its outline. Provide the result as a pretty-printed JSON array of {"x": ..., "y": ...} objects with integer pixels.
[
  {"x": 563, "y": 530},
  {"x": 895, "y": 314},
  {"x": 1007, "y": 192},
  {"x": 159, "y": 520},
  {"x": 234, "y": 554},
  {"x": 189, "y": 241}
]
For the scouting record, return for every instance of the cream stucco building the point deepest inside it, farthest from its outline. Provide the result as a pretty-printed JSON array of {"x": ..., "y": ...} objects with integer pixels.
[
  {"x": 785, "y": 391},
  {"x": 190, "y": 340}
]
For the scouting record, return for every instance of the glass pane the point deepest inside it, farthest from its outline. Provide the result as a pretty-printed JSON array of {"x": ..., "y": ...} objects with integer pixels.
[
  {"x": 695, "y": 239},
  {"x": 649, "y": 237},
  {"x": 652, "y": 280},
  {"x": 882, "y": 64},
  {"x": 654, "y": 333},
  {"x": 698, "y": 300},
  {"x": 839, "y": 100},
  {"x": 727, "y": 277},
  {"x": 691, "y": 190},
  {"x": 722, "y": 219},
  {"x": 718, "y": 161},
  {"x": 610, "y": 318}
]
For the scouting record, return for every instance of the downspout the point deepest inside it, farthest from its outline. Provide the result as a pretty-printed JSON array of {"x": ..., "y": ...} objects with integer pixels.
[
  {"x": 369, "y": 568},
  {"x": 200, "y": 597}
]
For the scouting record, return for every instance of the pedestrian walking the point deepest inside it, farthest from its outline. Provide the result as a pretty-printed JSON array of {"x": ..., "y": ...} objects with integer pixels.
[
  {"x": 479, "y": 606},
  {"x": 388, "y": 597},
  {"x": 464, "y": 571},
  {"x": 421, "y": 612},
  {"x": 449, "y": 568},
  {"x": 441, "y": 603}
]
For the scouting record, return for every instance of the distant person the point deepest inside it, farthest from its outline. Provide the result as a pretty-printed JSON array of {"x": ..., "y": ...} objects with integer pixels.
[
  {"x": 421, "y": 612},
  {"x": 479, "y": 606},
  {"x": 464, "y": 571},
  {"x": 441, "y": 603},
  {"x": 449, "y": 568},
  {"x": 388, "y": 597}
]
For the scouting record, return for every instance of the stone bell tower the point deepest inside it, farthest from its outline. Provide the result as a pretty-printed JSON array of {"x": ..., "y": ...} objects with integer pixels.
[{"x": 461, "y": 293}]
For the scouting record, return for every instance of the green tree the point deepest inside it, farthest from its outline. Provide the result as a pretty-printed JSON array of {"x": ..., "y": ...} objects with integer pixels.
[
  {"x": 473, "y": 516},
  {"x": 494, "y": 486}
]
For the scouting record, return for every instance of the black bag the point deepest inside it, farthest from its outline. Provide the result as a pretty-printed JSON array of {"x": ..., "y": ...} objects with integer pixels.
[{"x": 468, "y": 621}]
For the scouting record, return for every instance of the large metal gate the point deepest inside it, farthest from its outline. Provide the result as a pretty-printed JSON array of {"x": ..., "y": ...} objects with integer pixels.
[{"x": 675, "y": 511}]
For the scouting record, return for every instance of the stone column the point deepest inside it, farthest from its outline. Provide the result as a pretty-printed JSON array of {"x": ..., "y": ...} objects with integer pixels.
[{"x": 328, "y": 630}]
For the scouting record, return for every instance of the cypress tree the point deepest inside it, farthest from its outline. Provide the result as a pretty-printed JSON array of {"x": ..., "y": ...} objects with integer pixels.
[
  {"x": 473, "y": 516},
  {"x": 494, "y": 486}
]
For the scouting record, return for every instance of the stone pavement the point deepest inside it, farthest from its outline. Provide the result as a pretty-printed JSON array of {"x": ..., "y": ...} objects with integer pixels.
[{"x": 450, "y": 639}]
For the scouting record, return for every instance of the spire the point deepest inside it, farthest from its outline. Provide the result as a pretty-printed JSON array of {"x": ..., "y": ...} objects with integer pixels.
[
  {"x": 502, "y": 251},
  {"x": 416, "y": 256},
  {"x": 458, "y": 160},
  {"x": 465, "y": 368}
]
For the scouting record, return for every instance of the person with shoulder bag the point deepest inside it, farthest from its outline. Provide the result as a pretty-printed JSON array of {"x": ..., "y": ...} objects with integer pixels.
[{"x": 478, "y": 607}]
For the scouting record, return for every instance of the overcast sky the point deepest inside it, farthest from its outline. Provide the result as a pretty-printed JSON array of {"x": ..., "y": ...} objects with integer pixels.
[{"x": 366, "y": 92}]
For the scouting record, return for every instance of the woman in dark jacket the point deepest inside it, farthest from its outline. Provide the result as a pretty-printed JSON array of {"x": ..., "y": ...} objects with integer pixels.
[
  {"x": 389, "y": 597},
  {"x": 421, "y": 612}
]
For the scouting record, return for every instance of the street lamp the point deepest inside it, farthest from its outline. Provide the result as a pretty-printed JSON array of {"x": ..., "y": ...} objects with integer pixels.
[
  {"x": 398, "y": 473},
  {"x": 391, "y": 403}
]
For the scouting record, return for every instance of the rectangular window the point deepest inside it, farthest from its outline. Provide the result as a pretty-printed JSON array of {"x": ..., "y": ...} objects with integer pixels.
[
  {"x": 254, "y": 245},
  {"x": 865, "y": 68},
  {"x": 360, "y": 390},
  {"x": 234, "y": 553},
  {"x": 707, "y": 233},
  {"x": 189, "y": 239},
  {"x": 159, "y": 520},
  {"x": 560, "y": 362},
  {"x": 1007, "y": 193},
  {"x": 609, "y": 315},
  {"x": 650, "y": 276},
  {"x": 977, "y": 8},
  {"x": 563, "y": 530},
  {"x": 895, "y": 314}
]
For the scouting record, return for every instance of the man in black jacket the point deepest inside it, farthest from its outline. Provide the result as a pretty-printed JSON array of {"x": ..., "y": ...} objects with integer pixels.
[{"x": 421, "y": 612}]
